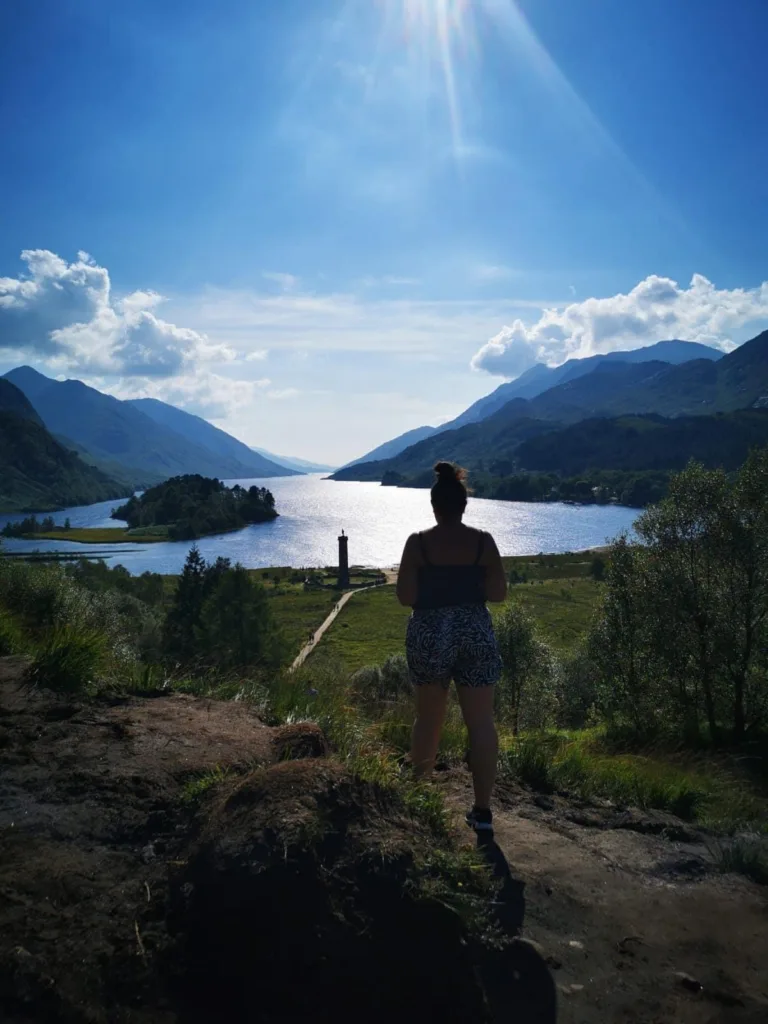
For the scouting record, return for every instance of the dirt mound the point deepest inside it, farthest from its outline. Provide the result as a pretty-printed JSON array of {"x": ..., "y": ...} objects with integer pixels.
[
  {"x": 293, "y": 742},
  {"x": 295, "y": 905},
  {"x": 290, "y": 891},
  {"x": 285, "y": 892}
]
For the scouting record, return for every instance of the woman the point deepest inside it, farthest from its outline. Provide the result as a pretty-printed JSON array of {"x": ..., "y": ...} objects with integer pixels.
[{"x": 446, "y": 575}]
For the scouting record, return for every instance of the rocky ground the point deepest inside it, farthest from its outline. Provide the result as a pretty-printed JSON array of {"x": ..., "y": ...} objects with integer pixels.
[{"x": 285, "y": 892}]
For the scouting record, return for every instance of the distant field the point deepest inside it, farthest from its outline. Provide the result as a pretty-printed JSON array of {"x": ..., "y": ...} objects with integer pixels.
[
  {"x": 562, "y": 608},
  {"x": 372, "y": 625},
  {"x": 552, "y": 567},
  {"x": 298, "y": 612},
  {"x": 101, "y": 535}
]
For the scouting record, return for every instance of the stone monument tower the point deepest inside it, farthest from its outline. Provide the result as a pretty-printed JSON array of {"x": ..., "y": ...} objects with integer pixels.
[{"x": 343, "y": 561}]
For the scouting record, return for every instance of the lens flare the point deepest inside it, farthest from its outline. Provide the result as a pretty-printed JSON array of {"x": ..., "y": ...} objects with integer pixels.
[{"x": 438, "y": 27}]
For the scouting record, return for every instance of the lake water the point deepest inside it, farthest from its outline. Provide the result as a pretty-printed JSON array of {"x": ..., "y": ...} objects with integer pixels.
[{"x": 313, "y": 511}]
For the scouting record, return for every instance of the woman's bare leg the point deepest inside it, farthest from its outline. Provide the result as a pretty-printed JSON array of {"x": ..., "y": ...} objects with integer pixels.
[
  {"x": 431, "y": 703},
  {"x": 477, "y": 708}
]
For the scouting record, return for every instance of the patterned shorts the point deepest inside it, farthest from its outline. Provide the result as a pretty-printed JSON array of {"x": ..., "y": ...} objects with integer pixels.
[{"x": 452, "y": 643}]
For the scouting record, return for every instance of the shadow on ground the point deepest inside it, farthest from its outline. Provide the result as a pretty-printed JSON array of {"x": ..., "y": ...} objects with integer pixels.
[{"x": 517, "y": 982}]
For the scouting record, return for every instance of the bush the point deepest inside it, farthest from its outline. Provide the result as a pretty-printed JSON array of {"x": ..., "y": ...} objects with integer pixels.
[
  {"x": 526, "y": 694},
  {"x": 383, "y": 683},
  {"x": 744, "y": 856},
  {"x": 68, "y": 660},
  {"x": 11, "y": 641}
]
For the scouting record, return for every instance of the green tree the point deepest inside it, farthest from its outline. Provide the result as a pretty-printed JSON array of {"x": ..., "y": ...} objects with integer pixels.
[
  {"x": 684, "y": 627},
  {"x": 526, "y": 692},
  {"x": 237, "y": 629},
  {"x": 182, "y": 623}
]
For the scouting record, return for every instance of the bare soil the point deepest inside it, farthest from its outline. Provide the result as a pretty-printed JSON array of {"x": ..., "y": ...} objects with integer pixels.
[{"x": 283, "y": 893}]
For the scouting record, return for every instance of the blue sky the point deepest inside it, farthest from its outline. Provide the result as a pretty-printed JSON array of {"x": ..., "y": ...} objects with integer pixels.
[{"x": 323, "y": 223}]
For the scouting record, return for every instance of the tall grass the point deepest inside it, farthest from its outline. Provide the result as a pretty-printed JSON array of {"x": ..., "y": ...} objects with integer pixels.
[
  {"x": 68, "y": 660},
  {"x": 11, "y": 636},
  {"x": 745, "y": 855}
]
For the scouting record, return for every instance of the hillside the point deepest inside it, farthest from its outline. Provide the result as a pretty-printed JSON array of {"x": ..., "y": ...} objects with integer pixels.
[
  {"x": 392, "y": 448},
  {"x": 646, "y": 442},
  {"x": 300, "y": 465},
  {"x": 200, "y": 432},
  {"x": 735, "y": 381},
  {"x": 115, "y": 431},
  {"x": 36, "y": 472},
  {"x": 540, "y": 378}
]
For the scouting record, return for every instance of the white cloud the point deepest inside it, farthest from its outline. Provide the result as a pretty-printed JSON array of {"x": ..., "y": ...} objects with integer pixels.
[
  {"x": 494, "y": 272},
  {"x": 654, "y": 310},
  {"x": 279, "y": 394},
  {"x": 208, "y": 395},
  {"x": 303, "y": 322},
  {"x": 65, "y": 313},
  {"x": 257, "y": 355},
  {"x": 286, "y": 281}
]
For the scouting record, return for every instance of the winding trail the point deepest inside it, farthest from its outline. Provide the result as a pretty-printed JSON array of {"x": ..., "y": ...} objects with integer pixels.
[{"x": 304, "y": 653}]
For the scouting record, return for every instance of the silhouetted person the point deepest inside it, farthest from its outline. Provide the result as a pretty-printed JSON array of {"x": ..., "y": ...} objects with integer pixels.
[{"x": 446, "y": 575}]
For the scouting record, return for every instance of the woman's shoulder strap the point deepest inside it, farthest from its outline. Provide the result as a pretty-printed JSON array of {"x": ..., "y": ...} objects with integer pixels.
[
  {"x": 423, "y": 548},
  {"x": 480, "y": 547}
]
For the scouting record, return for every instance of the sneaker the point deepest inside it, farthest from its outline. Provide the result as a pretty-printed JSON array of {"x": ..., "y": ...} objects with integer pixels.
[{"x": 480, "y": 819}]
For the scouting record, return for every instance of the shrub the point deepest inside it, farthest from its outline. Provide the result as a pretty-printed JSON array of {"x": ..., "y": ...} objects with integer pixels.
[
  {"x": 68, "y": 660},
  {"x": 11, "y": 641},
  {"x": 744, "y": 856}
]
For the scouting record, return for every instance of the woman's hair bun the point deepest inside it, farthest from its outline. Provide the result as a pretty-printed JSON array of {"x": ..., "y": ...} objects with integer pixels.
[{"x": 449, "y": 471}]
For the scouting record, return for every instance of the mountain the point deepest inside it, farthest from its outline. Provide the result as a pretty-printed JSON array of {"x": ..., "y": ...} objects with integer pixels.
[
  {"x": 540, "y": 378},
  {"x": 738, "y": 380},
  {"x": 117, "y": 432},
  {"x": 36, "y": 472},
  {"x": 300, "y": 465},
  {"x": 14, "y": 402},
  {"x": 201, "y": 432},
  {"x": 650, "y": 442},
  {"x": 395, "y": 446}
]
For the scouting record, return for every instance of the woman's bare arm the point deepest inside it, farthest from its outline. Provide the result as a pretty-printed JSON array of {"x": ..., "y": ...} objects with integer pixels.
[
  {"x": 495, "y": 577},
  {"x": 408, "y": 576}
]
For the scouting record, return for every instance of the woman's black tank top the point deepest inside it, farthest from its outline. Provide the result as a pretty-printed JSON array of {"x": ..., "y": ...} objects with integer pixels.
[{"x": 441, "y": 586}]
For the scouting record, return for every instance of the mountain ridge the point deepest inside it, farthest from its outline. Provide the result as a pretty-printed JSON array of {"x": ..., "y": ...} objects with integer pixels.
[
  {"x": 37, "y": 473},
  {"x": 613, "y": 388},
  {"x": 114, "y": 431}
]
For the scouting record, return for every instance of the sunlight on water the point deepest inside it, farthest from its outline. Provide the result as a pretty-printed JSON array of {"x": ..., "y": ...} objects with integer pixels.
[{"x": 378, "y": 520}]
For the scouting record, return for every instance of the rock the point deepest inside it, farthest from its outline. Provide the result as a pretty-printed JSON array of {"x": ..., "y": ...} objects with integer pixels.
[
  {"x": 546, "y": 803},
  {"x": 575, "y": 944},
  {"x": 295, "y": 742},
  {"x": 687, "y": 982}
]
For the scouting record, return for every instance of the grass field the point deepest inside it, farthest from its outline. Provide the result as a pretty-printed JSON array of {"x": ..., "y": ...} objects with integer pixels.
[
  {"x": 562, "y": 608},
  {"x": 101, "y": 535},
  {"x": 372, "y": 625},
  {"x": 297, "y": 612}
]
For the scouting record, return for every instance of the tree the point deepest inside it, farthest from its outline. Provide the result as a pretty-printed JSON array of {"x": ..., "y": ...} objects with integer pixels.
[
  {"x": 526, "y": 694},
  {"x": 237, "y": 628},
  {"x": 684, "y": 627},
  {"x": 183, "y": 619}
]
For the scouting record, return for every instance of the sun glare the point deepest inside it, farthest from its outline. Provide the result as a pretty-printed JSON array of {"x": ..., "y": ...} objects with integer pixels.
[{"x": 437, "y": 27}]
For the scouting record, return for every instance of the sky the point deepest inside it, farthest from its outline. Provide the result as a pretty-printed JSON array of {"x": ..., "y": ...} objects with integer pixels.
[{"x": 320, "y": 224}]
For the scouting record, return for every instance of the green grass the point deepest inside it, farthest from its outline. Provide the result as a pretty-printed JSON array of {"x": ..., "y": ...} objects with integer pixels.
[
  {"x": 744, "y": 856},
  {"x": 693, "y": 787},
  {"x": 551, "y": 567},
  {"x": 195, "y": 787},
  {"x": 369, "y": 628},
  {"x": 68, "y": 659},
  {"x": 298, "y": 611},
  {"x": 103, "y": 535},
  {"x": 562, "y": 609}
]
